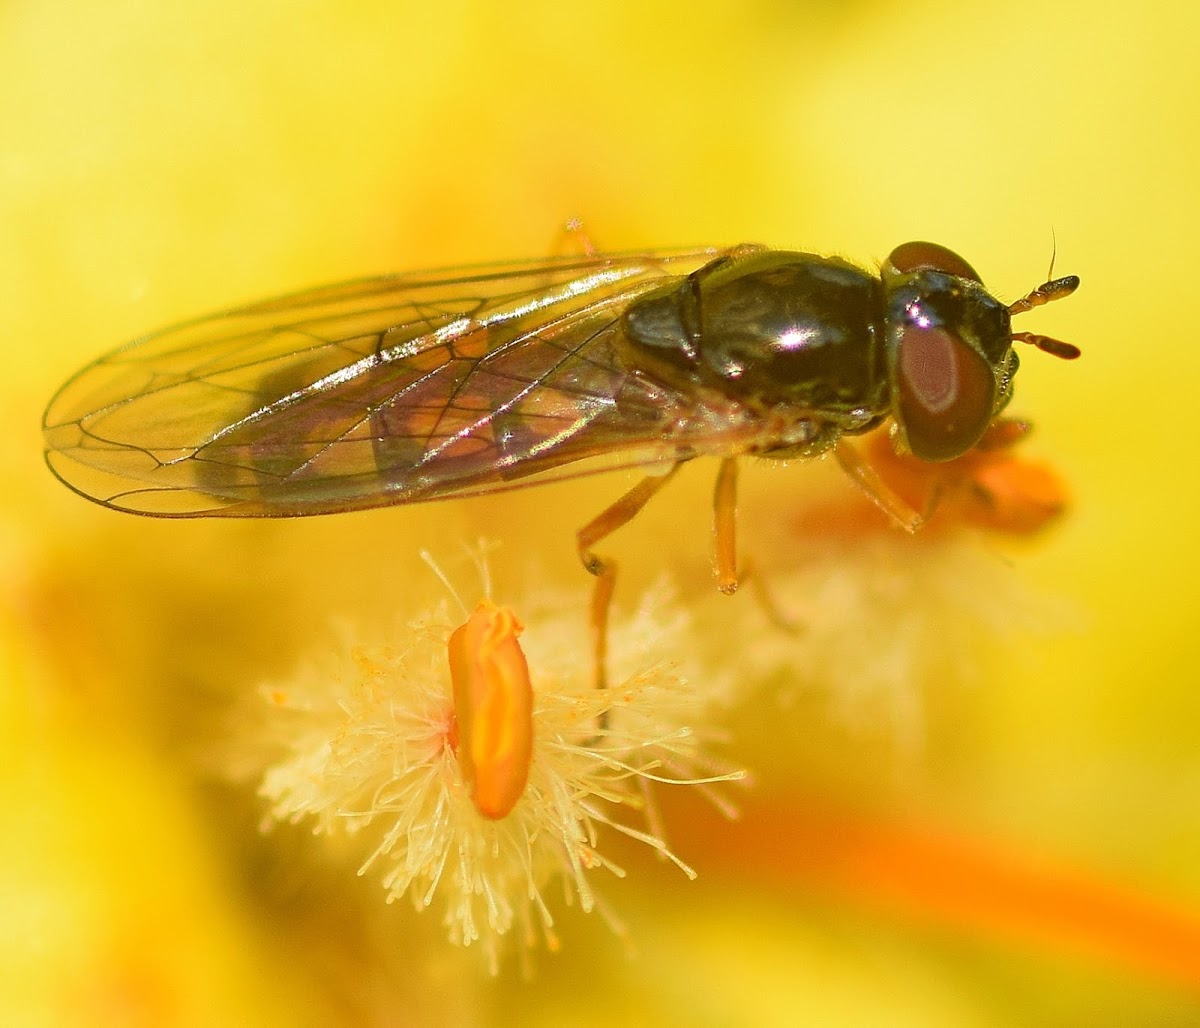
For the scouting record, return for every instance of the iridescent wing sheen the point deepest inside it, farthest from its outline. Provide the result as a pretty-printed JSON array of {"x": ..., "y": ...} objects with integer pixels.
[{"x": 382, "y": 391}]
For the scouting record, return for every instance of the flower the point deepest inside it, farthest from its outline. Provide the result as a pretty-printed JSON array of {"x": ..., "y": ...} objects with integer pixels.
[{"x": 368, "y": 741}]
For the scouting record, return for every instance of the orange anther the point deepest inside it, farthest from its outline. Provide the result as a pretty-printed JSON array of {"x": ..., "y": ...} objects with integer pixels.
[{"x": 493, "y": 708}]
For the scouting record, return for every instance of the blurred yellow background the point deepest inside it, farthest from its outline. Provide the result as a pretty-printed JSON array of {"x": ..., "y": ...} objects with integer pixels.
[{"x": 160, "y": 161}]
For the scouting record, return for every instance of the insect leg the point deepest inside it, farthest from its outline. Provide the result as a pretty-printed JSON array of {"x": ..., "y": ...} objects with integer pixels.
[
  {"x": 600, "y": 527},
  {"x": 877, "y": 490},
  {"x": 1003, "y": 434},
  {"x": 765, "y": 598},
  {"x": 724, "y": 529},
  {"x": 602, "y": 594},
  {"x": 725, "y": 525}
]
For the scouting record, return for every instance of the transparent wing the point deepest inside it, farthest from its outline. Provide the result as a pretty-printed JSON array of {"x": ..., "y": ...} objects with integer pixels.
[{"x": 383, "y": 391}]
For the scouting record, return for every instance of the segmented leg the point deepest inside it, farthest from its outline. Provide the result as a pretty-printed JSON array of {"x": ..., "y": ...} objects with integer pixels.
[
  {"x": 725, "y": 526},
  {"x": 763, "y": 596},
  {"x": 600, "y": 527},
  {"x": 876, "y": 489}
]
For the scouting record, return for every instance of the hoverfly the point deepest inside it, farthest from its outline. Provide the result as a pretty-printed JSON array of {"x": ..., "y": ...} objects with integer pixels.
[{"x": 416, "y": 387}]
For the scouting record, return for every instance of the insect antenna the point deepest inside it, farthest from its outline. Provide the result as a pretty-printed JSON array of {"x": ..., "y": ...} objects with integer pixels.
[{"x": 1047, "y": 292}]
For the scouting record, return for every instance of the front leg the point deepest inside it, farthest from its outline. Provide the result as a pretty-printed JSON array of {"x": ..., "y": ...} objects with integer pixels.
[{"x": 876, "y": 489}]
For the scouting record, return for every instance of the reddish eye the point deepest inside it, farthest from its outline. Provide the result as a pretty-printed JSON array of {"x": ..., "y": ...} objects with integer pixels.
[
  {"x": 946, "y": 393},
  {"x": 919, "y": 256},
  {"x": 493, "y": 708}
]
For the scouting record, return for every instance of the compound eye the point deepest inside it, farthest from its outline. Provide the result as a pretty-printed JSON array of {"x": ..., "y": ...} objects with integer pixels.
[
  {"x": 919, "y": 256},
  {"x": 946, "y": 393}
]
